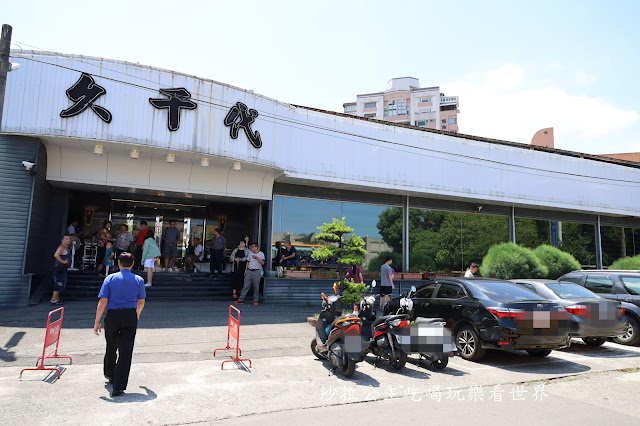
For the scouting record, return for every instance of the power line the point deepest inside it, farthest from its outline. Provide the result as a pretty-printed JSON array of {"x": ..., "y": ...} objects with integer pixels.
[{"x": 304, "y": 126}]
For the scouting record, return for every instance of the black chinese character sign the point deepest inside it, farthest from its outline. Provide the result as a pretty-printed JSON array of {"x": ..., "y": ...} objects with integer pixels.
[
  {"x": 177, "y": 100},
  {"x": 241, "y": 117},
  {"x": 84, "y": 93}
]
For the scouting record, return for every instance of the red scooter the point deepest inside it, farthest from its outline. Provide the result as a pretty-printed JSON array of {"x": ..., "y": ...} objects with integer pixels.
[{"x": 338, "y": 337}]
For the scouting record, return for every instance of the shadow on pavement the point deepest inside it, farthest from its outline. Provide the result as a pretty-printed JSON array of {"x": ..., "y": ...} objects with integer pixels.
[
  {"x": 129, "y": 397},
  {"x": 521, "y": 362},
  {"x": 606, "y": 351},
  {"x": 5, "y": 354},
  {"x": 359, "y": 378}
]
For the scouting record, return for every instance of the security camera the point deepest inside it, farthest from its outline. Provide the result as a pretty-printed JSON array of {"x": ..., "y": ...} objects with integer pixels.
[
  {"x": 30, "y": 167},
  {"x": 479, "y": 208}
]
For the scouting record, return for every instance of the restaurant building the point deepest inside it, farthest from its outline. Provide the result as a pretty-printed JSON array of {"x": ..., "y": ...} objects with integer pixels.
[{"x": 126, "y": 142}]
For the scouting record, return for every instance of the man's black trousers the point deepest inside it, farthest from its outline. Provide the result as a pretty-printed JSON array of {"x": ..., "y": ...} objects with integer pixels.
[{"x": 120, "y": 327}]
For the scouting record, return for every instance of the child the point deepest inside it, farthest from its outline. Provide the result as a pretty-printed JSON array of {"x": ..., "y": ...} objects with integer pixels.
[
  {"x": 149, "y": 253},
  {"x": 109, "y": 255}
]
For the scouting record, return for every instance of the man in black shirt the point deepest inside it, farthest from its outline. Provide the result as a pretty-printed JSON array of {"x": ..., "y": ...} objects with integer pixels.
[{"x": 289, "y": 256}]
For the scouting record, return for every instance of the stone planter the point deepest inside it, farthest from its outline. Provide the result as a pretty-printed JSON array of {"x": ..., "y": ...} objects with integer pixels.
[
  {"x": 297, "y": 274},
  {"x": 411, "y": 276}
]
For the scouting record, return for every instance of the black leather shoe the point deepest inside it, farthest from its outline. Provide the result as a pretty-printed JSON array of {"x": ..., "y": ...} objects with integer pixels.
[
  {"x": 109, "y": 379},
  {"x": 116, "y": 393}
]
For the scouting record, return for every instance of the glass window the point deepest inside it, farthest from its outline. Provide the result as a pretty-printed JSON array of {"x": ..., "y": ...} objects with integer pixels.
[
  {"x": 369, "y": 104},
  {"x": 452, "y": 120},
  {"x": 631, "y": 284},
  {"x": 425, "y": 111},
  {"x": 571, "y": 291},
  {"x": 427, "y": 99},
  {"x": 426, "y": 291},
  {"x": 443, "y": 121},
  {"x": 505, "y": 292},
  {"x": 578, "y": 239},
  {"x": 297, "y": 219},
  {"x": 618, "y": 242},
  {"x": 370, "y": 115},
  {"x": 443, "y": 126},
  {"x": 450, "y": 291},
  {"x": 599, "y": 284},
  {"x": 349, "y": 108},
  {"x": 576, "y": 279},
  {"x": 528, "y": 286},
  {"x": 421, "y": 123}
]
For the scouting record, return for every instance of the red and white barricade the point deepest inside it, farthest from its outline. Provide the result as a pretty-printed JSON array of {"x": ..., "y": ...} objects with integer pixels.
[
  {"x": 233, "y": 332},
  {"x": 52, "y": 336}
]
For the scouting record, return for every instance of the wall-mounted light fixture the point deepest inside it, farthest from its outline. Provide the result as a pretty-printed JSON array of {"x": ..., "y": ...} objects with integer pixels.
[
  {"x": 98, "y": 149},
  {"x": 204, "y": 162},
  {"x": 135, "y": 153},
  {"x": 237, "y": 166},
  {"x": 171, "y": 158}
]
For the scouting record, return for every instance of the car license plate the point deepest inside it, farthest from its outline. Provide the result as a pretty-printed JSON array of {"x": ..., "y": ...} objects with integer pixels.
[{"x": 541, "y": 319}]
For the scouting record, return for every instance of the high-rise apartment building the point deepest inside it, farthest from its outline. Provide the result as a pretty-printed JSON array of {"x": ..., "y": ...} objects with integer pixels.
[{"x": 406, "y": 102}]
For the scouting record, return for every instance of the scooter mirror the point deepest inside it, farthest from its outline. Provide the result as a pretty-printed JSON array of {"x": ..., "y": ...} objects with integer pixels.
[
  {"x": 374, "y": 283},
  {"x": 335, "y": 288},
  {"x": 413, "y": 289},
  {"x": 324, "y": 296}
]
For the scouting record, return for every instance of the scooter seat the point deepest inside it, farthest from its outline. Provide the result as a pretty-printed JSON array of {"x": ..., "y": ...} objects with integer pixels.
[{"x": 387, "y": 318}]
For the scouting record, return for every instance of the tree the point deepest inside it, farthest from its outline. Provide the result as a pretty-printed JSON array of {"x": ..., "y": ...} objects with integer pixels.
[
  {"x": 349, "y": 252},
  {"x": 305, "y": 238}
]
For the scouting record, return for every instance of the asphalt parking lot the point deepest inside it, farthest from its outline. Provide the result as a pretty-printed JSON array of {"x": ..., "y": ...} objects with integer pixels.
[{"x": 176, "y": 380}]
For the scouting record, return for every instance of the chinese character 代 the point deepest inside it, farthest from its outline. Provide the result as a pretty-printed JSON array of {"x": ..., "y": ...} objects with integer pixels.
[
  {"x": 177, "y": 99},
  {"x": 84, "y": 93},
  {"x": 241, "y": 117}
]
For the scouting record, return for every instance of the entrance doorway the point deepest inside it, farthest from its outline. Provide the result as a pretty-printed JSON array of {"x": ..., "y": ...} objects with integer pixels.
[{"x": 190, "y": 219}]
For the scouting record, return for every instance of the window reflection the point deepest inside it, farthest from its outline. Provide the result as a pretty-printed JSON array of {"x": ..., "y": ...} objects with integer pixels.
[{"x": 297, "y": 219}]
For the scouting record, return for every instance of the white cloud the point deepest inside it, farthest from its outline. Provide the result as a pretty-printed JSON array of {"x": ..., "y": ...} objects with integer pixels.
[
  {"x": 495, "y": 104},
  {"x": 584, "y": 79}
]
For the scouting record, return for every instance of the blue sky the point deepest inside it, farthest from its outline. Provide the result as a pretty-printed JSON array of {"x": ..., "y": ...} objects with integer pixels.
[{"x": 516, "y": 66}]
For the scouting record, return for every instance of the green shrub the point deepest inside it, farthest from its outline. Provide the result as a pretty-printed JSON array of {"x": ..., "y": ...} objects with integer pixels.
[
  {"x": 627, "y": 263},
  {"x": 353, "y": 292},
  {"x": 508, "y": 261},
  {"x": 557, "y": 261},
  {"x": 376, "y": 262}
]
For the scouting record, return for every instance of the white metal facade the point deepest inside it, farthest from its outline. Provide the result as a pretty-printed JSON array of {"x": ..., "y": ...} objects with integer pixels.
[{"x": 299, "y": 145}]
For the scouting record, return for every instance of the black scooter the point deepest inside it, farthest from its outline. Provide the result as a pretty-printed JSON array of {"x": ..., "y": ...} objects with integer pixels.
[
  {"x": 379, "y": 335},
  {"x": 338, "y": 337},
  {"x": 438, "y": 353}
]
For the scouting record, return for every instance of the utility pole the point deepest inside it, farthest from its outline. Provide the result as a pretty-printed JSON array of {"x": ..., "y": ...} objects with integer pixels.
[{"x": 5, "y": 65}]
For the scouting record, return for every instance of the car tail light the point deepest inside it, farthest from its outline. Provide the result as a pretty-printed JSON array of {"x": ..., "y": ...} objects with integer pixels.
[
  {"x": 580, "y": 310},
  {"x": 517, "y": 314}
]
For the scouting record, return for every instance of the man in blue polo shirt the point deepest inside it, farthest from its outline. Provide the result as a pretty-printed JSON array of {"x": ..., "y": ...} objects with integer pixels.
[{"x": 122, "y": 295}]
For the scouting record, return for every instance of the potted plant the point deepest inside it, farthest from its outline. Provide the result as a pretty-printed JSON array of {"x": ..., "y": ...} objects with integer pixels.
[{"x": 324, "y": 273}]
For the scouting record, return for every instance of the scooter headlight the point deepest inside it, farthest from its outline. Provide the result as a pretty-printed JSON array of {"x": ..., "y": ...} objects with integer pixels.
[{"x": 406, "y": 303}]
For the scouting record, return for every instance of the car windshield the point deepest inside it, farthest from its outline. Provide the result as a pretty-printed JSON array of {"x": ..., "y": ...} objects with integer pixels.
[
  {"x": 571, "y": 291},
  {"x": 632, "y": 284},
  {"x": 505, "y": 292}
]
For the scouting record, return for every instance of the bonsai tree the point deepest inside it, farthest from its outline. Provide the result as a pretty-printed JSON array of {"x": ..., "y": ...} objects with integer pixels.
[{"x": 350, "y": 252}]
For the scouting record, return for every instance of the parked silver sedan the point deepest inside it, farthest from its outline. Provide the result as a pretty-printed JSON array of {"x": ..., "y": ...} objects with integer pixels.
[{"x": 592, "y": 318}]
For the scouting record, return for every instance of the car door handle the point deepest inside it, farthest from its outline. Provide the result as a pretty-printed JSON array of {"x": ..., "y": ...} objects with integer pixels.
[
  {"x": 456, "y": 306},
  {"x": 424, "y": 304}
]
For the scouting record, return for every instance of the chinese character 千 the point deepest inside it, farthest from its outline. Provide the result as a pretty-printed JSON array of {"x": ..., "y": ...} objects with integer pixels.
[
  {"x": 241, "y": 117},
  {"x": 178, "y": 99},
  {"x": 84, "y": 93}
]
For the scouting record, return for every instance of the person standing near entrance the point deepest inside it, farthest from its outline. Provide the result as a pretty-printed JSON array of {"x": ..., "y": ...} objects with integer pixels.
[
  {"x": 239, "y": 257},
  {"x": 150, "y": 251},
  {"x": 386, "y": 282},
  {"x": 62, "y": 262},
  {"x": 123, "y": 240},
  {"x": 252, "y": 275},
  {"x": 103, "y": 238},
  {"x": 218, "y": 245},
  {"x": 139, "y": 244},
  {"x": 123, "y": 296},
  {"x": 170, "y": 236}
]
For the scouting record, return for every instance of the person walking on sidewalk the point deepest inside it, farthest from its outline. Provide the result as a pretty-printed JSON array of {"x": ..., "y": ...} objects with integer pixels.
[
  {"x": 252, "y": 274},
  {"x": 62, "y": 262},
  {"x": 122, "y": 295},
  {"x": 150, "y": 251}
]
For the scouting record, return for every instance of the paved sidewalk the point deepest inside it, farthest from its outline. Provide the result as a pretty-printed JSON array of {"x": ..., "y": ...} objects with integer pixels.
[{"x": 175, "y": 379}]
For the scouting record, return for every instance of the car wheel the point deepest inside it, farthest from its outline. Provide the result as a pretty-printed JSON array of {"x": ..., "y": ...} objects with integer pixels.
[
  {"x": 539, "y": 352},
  {"x": 468, "y": 343},
  {"x": 594, "y": 341},
  {"x": 632, "y": 335}
]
